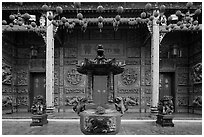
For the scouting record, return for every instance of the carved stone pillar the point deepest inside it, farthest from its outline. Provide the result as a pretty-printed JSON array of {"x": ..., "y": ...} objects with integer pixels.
[
  {"x": 111, "y": 94},
  {"x": 49, "y": 65},
  {"x": 89, "y": 94},
  {"x": 155, "y": 66}
]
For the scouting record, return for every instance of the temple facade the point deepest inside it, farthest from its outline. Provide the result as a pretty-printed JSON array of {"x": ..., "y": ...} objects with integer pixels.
[{"x": 159, "y": 43}]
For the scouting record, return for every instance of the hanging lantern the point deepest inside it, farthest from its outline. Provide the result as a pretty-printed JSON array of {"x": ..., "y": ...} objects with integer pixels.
[
  {"x": 63, "y": 19},
  {"x": 170, "y": 18},
  {"x": 100, "y": 8},
  {"x": 158, "y": 21},
  {"x": 11, "y": 24},
  {"x": 77, "y": 4},
  {"x": 79, "y": 16},
  {"x": 178, "y": 13},
  {"x": 143, "y": 15},
  {"x": 4, "y": 22},
  {"x": 55, "y": 23},
  {"x": 100, "y": 19},
  {"x": 189, "y": 4},
  {"x": 175, "y": 50},
  {"x": 117, "y": 17},
  {"x": 179, "y": 23},
  {"x": 100, "y": 25},
  {"x": 20, "y": 23},
  {"x": 50, "y": 17},
  {"x": 148, "y": 6},
  {"x": 26, "y": 16},
  {"x": 11, "y": 17},
  {"x": 181, "y": 26},
  {"x": 162, "y": 8},
  {"x": 151, "y": 18},
  {"x": 45, "y": 8},
  {"x": 197, "y": 12},
  {"x": 156, "y": 14},
  {"x": 66, "y": 24},
  {"x": 195, "y": 22},
  {"x": 33, "y": 24},
  {"x": 120, "y": 9},
  {"x": 34, "y": 52},
  {"x": 59, "y": 10}
]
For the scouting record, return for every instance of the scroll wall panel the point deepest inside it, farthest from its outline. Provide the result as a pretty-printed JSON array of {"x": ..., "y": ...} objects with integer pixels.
[
  {"x": 74, "y": 85},
  {"x": 128, "y": 86}
]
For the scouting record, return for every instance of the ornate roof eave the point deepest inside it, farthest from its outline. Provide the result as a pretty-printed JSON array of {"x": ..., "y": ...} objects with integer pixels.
[
  {"x": 164, "y": 30},
  {"x": 23, "y": 28}
]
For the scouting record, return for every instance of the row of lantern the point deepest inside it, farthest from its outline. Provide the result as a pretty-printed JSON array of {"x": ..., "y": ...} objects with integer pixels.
[{"x": 145, "y": 17}]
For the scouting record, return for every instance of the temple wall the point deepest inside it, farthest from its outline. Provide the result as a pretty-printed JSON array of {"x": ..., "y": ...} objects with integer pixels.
[{"x": 126, "y": 45}]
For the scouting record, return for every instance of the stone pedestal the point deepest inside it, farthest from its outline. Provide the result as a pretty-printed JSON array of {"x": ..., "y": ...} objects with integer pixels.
[
  {"x": 165, "y": 120},
  {"x": 39, "y": 120}
]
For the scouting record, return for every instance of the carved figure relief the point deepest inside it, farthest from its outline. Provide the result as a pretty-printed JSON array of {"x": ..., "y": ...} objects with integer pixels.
[
  {"x": 70, "y": 101},
  {"x": 129, "y": 76},
  {"x": 6, "y": 89},
  {"x": 22, "y": 100},
  {"x": 147, "y": 76},
  {"x": 22, "y": 77},
  {"x": 6, "y": 74},
  {"x": 73, "y": 77},
  {"x": 197, "y": 73}
]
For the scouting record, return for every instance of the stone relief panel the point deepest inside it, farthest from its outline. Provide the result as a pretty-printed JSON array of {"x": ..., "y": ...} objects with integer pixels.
[
  {"x": 72, "y": 78},
  {"x": 56, "y": 77},
  {"x": 148, "y": 76},
  {"x": 133, "y": 52},
  {"x": 182, "y": 100},
  {"x": 131, "y": 61},
  {"x": 6, "y": 89},
  {"x": 71, "y": 100},
  {"x": 70, "y": 61},
  {"x": 182, "y": 90},
  {"x": 22, "y": 77},
  {"x": 22, "y": 100},
  {"x": 87, "y": 49},
  {"x": 37, "y": 63},
  {"x": 70, "y": 52},
  {"x": 22, "y": 90},
  {"x": 6, "y": 74},
  {"x": 56, "y": 100},
  {"x": 198, "y": 89},
  {"x": 182, "y": 79}
]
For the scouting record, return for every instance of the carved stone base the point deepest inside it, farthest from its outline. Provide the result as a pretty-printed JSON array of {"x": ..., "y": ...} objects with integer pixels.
[
  {"x": 165, "y": 120},
  {"x": 39, "y": 120},
  {"x": 104, "y": 124}
]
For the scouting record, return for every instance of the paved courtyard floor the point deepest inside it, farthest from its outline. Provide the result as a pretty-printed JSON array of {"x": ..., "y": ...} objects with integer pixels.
[{"x": 129, "y": 127}]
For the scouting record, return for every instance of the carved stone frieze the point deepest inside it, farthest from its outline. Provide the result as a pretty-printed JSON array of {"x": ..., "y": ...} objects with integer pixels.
[
  {"x": 70, "y": 52},
  {"x": 182, "y": 90},
  {"x": 6, "y": 74},
  {"x": 70, "y": 100},
  {"x": 135, "y": 61},
  {"x": 22, "y": 100},
  {"x": 70, "y": 61},
  {"x": 56, "y": 101},
  {"x": 131, "y": 100},
  {"x": 56, "y": 77},
  {"x": 22, "y": 90},
  {"x": 129, "y": 91},
  {"x": 182, "y": 100},
  {"x": 131, "y": 76},
  {"x": 6, "y": 89},
  {"x": 22, "y": 77},
  {"x": 182, "y": 79},
  {"x": 73, "y": 79},
  {"x": 198, "y": 89},
  {"x": 147, "y": 76},
  {"x": 74, "y": 90},
  {"x": 197, "y": 73},
  {"x": 37, "y": 63}
]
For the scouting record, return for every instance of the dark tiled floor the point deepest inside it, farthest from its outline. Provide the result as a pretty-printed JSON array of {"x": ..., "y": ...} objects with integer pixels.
[
  {"x": 127, "y": 115},
  {"x": 72, "y": 128}
]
